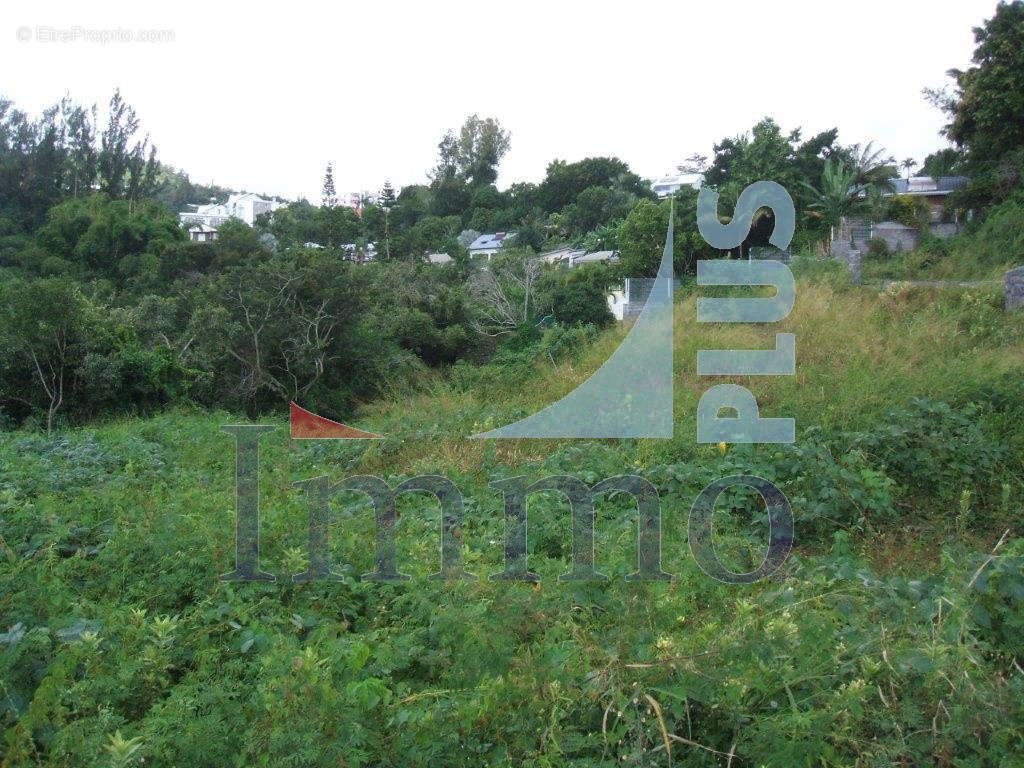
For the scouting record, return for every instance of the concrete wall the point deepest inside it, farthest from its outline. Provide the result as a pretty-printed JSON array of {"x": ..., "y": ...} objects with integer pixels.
[
  {"x": 629, "y": 301},
  {"x": 1013, "y": 283},
  {"x": 945, "y": 229},
  {"x": 769, "y": 253},
  {"x": 897, "y": 236}
]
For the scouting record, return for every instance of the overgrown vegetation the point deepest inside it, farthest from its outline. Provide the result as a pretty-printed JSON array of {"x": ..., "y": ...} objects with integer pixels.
[
  {"x": 891, "y": 635},
  {"x": 984, "y": 251},
  {"x": 889, "y": 638}
]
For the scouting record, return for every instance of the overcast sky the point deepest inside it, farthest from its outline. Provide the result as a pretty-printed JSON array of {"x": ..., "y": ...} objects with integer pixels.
[{"x": 261, "y": 97}]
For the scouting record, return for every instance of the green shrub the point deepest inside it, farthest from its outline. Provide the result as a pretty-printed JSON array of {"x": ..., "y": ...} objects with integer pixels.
[
  {"x": 578, "y": 296},
  {"x": 933, "y": 449},
  {"x": 998, "y": 592},
  {"x": 878, "y": 249},
  {"x": 910, "y": 211}
]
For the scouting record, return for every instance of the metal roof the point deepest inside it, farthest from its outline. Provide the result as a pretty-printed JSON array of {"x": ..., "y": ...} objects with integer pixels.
[
  {"x": 926, "y": 185},
  {"x": 490, "y": 241}
]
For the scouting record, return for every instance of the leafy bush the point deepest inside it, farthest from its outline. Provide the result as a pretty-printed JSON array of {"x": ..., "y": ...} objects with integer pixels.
[
  {"x": 578, "y": 296},
  {"x": 998, "y": 592},
  {"x": 910, "y": 211},
  {"x": 878, "y": 249},
  {"x": 826, "y": 487},
  {"x": 933, "y": 449}
]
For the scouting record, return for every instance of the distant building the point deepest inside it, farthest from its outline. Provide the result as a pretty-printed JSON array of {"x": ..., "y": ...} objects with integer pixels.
[
  {"x": 629, "y": 300},
  {"x": 562, "y": 255},
  {"x": 669, "y": 185},
  {"x": 573, "y": 257},
  {"x": 934, "y": 191},
  {"x": 438, "y": 258},
  {"x": 593, "y": 258},
  {"x": 486, "y": 246},
  {"x": 245, "y": 206},
  {"x": 357, "y": 253},
  {"x": 201, "y": 233}
]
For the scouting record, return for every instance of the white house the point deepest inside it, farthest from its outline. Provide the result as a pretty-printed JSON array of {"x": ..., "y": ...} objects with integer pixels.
[
  {"x": 629, "y": 300},
  {"x": 563, "y": 255},
  {"x": 202, "y": 233},
  {"x": 570, "y": 257},
  {"x": 581, "y": 258},
  {"x": 245, "y": 206},
  {"x": 673, "y": 182},
  {"x": 487, "y": 245}
]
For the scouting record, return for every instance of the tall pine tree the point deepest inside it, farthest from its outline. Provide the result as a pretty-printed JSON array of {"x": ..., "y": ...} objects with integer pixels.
[
  {"x": 387, "y": 202},
  {"x": 330, "y": 195}
]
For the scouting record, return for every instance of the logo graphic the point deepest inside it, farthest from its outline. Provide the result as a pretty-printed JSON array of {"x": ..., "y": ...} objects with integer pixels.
[
  {"x": 306, "y": 425},
  {"x": 629, "y": 396}
]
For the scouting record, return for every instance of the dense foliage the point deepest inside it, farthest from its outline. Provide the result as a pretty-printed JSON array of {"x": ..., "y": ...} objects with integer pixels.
[
  {"x": 986, "y": 109},
  {"x": 892, "y": 635}
]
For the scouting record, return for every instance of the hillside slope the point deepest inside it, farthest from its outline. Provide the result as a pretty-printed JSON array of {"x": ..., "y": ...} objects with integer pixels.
[{"x": 879, "y": 642}]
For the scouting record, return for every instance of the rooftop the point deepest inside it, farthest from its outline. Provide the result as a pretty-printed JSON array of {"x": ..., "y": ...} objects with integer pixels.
[
  {"x": 927, "y": 185},
  {"x": 491, "y": 241}
]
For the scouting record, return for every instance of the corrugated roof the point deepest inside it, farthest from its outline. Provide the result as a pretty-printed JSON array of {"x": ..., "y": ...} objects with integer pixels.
[
  {"x": 493, "y": 240},
  {"x": 926, "y": 185}
]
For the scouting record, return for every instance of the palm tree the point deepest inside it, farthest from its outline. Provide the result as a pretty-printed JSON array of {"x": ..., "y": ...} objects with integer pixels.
[
  {"x": 871, "y": 167},
  {"x": 837, "y": 197},
  {"x": 910, "y": 163}
]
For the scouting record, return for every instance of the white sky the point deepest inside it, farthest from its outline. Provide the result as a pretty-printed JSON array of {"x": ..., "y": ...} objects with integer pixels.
[{"x": 260, "y": 96}]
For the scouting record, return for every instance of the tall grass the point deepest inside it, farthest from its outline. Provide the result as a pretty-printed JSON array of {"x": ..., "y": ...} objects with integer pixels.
[{"x": 888, "y": 638}]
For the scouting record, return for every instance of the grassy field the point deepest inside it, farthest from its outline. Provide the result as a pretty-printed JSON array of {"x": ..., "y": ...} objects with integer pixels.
[{"x": 885, "y": 639}]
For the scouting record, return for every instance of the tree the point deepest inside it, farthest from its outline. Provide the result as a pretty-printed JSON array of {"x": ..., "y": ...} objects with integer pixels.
[
  {"x": 386, "y": 201},
  {"x": 503, "y": 294},
  {"x": 986, "y": 109},
  {"x": 767, "y": 153},
  {"x": 47, "y": 160},
  {"x": 605, "y": 237},
  {"x": 578, "y": 296},
  {"x": 837, "y": 195},
  {"x": 482, "y": 143},
  {"x": 124, "y": 169},
  {"x": 596, "y": 206},
  {"x": 329, "y": 201},
  {"x": 642, "y": 237},
  {"x": 564, "y": 182},
  {"x": 695, "y": 163},
  {"x": 447, "y": 167},
  {"x": 108, "y": 238},
  {"x": 44, "y": 322},
  {"x": 329, "y": 197},
  {"x": 339, "y": 225},
  {"x": 236, "y": 243},
  {"x": 870, "y": 166},
  {"x": 945, "y": 162},
  {"x": 908, "y": 165},
  {"x": 80, "y": 132},
  {"x": 284, "y": 328},
  {"x": 433, "y": 234}
]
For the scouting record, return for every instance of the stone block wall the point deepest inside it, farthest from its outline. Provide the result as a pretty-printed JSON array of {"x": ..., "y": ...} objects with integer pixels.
[
  {"x": 1013, "y": 283},
  {"x": 897, "y": 236}
]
